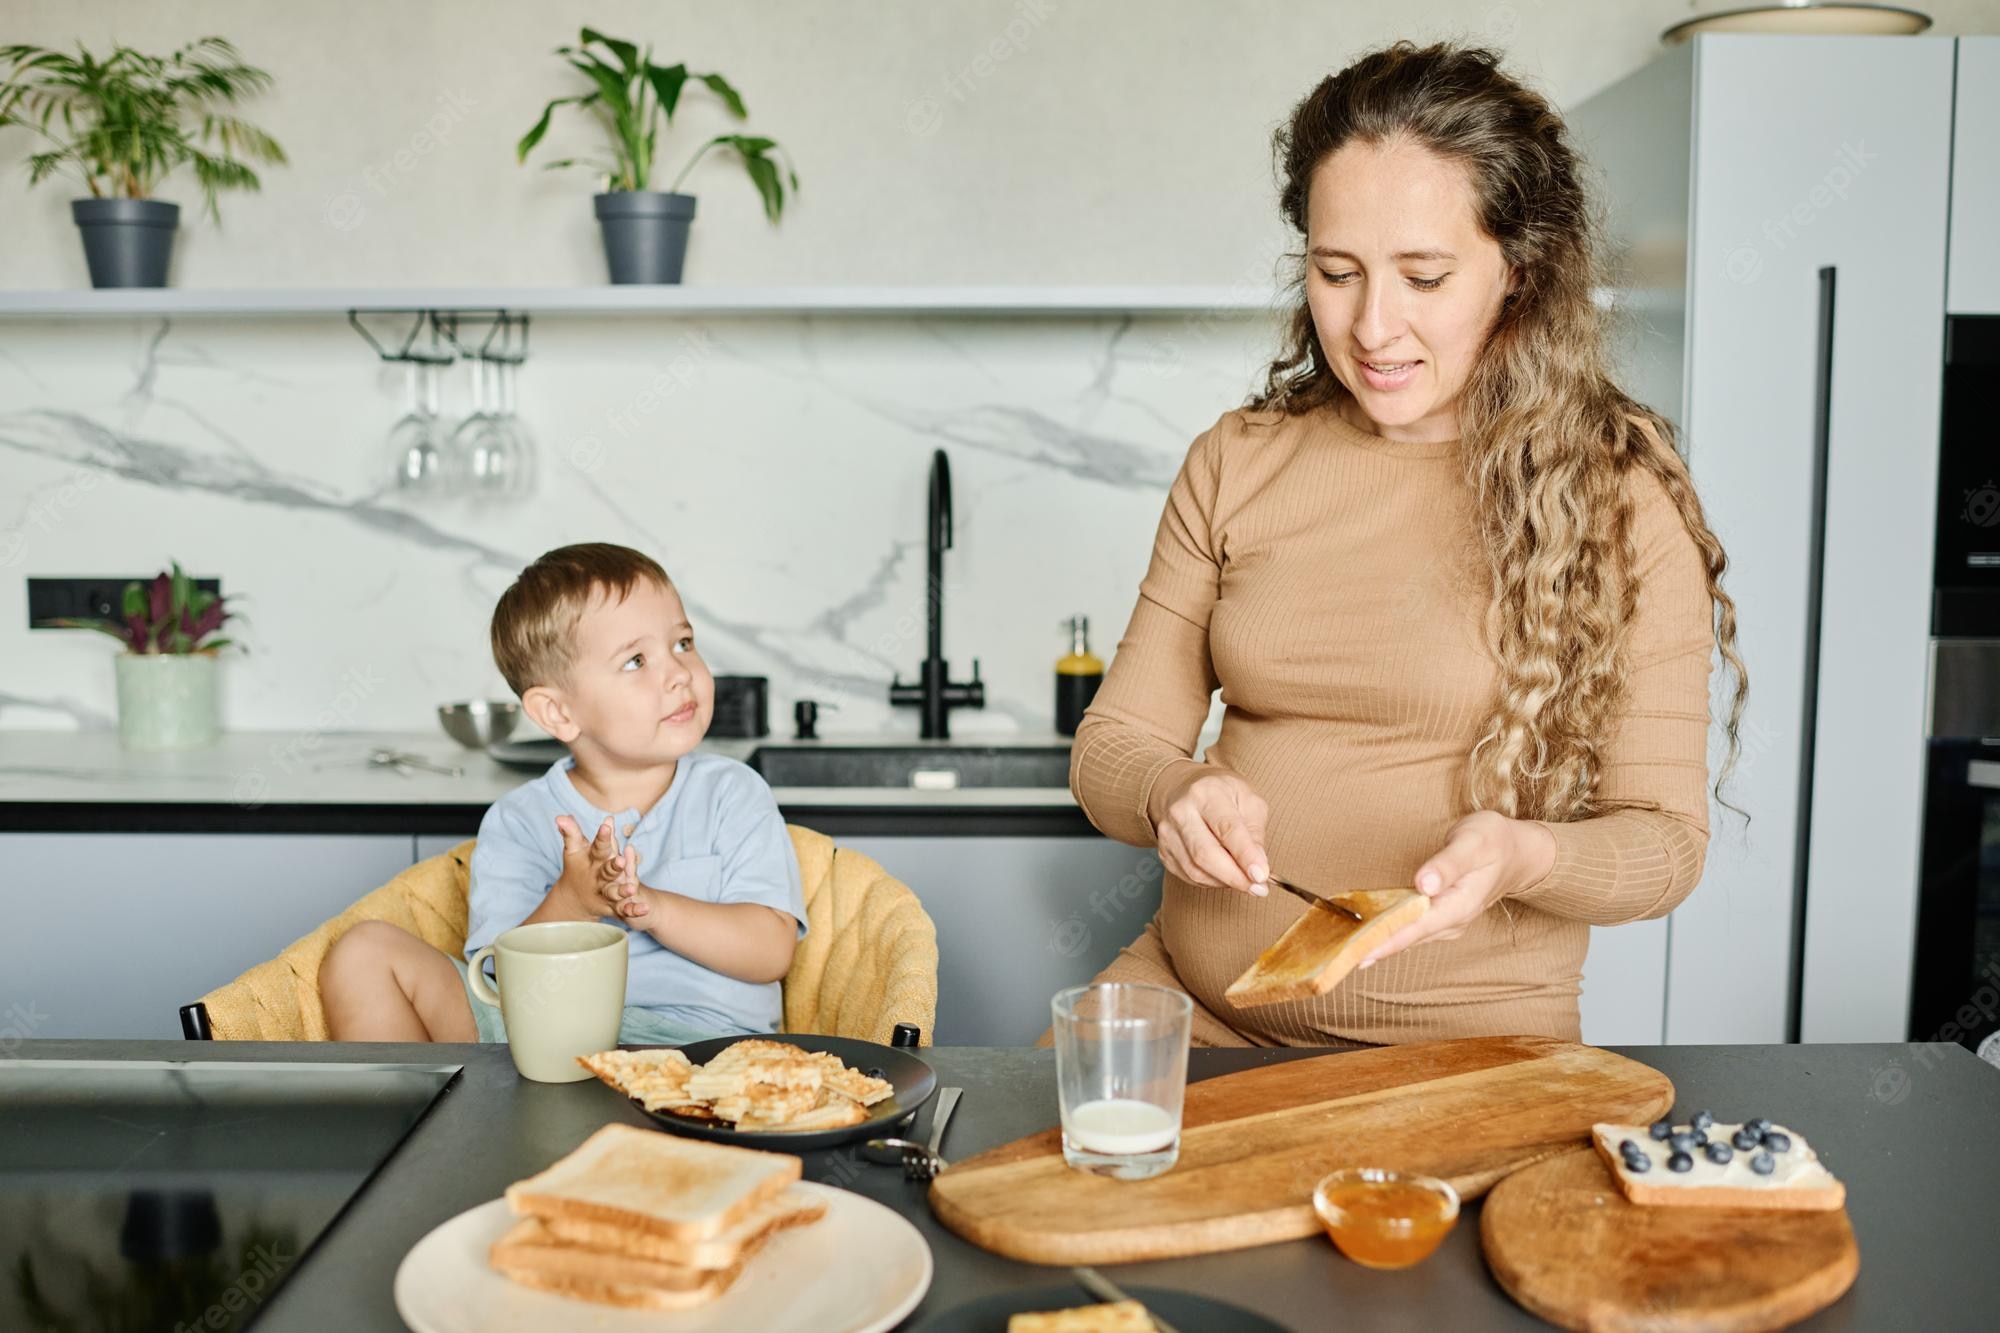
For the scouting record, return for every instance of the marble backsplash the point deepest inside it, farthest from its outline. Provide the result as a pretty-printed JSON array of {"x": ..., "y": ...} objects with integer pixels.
[{"x": 776, "y": 465}]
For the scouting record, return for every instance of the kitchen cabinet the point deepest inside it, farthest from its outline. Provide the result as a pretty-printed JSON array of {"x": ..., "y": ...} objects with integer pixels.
[
  {"x": 426, "y": 845},
  {"x": 1017, "y": 920},
  {"x": 1624, "y": 1000},
  {"x": 109, "y": 934}
]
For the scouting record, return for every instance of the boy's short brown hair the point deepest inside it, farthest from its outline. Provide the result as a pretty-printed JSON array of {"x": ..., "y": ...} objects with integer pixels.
[{"x": 534, "y": 625}]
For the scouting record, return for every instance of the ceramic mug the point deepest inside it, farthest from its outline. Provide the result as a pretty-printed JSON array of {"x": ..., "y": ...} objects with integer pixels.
[{"x": 562, "y": 993}]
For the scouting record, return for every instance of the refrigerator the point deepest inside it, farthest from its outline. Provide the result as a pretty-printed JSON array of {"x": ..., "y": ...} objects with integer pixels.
[{"x": 1780, "y": 214}]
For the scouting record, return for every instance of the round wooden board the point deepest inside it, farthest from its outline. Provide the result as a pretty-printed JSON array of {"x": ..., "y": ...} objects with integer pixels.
[{"x": 1563, "y": 1240}]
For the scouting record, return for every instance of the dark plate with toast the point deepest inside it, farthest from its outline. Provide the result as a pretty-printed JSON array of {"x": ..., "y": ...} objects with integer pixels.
[{"x": 911, "y": 1080}]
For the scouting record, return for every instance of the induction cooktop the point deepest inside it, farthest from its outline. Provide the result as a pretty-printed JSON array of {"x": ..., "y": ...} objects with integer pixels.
[{"x": 177, "y": 1195}]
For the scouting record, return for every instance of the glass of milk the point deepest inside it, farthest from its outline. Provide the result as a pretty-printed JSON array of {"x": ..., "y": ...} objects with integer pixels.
[{"x": 1121, "y": 1067}]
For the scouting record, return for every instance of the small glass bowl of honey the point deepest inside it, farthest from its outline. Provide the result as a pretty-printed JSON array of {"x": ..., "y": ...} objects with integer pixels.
[{"x": 1385, "y": 1219}]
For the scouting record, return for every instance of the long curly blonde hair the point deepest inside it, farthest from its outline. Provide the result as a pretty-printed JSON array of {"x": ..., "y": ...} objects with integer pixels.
[{"x": 1547, "y": 439}]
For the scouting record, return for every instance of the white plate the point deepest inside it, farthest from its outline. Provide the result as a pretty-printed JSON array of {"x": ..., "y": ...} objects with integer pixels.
[{"x": 859, "y": 1269}]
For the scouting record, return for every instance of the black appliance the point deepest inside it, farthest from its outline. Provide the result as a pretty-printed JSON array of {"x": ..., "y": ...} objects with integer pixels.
[
  {"x": 741, "y": 708},
  {"x": 1955, "y": 987}
]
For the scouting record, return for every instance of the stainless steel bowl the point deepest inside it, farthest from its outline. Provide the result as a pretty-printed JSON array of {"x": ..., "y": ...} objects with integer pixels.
[{"x": 479, "y": 723}]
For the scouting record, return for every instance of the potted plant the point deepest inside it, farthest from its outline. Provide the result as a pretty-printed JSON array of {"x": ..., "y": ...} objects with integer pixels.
[
  {"x": 646, "y": 230},
  {"x": 123, "y": 124},
  {"x": 167, "y": 686}
]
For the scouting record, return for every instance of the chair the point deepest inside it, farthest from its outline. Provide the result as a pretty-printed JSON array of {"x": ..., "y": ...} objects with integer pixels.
[{"x": 867, "y": 963}]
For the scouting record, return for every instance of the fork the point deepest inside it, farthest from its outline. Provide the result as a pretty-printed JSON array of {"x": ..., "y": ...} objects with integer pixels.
[
  {"x": 402, "y": 761},
  {"x": 919, "y": 1162}
]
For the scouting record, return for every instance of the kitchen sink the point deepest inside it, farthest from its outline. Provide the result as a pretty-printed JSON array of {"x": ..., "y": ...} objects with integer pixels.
[{"x": 924, "y": 767}]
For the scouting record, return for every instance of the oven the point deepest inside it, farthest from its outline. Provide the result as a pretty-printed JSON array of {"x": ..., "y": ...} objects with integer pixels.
[{"x": 1955, "y": 986}]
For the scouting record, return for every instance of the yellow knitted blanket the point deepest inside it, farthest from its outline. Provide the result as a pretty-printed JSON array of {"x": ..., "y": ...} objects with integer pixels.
[{"x": 867, "y": 963}]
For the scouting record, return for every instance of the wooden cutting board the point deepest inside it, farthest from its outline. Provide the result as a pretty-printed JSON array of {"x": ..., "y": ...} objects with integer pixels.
[
  {"x": 1565, "y": 1242},
  {"x": 1253, "y": 1145}
]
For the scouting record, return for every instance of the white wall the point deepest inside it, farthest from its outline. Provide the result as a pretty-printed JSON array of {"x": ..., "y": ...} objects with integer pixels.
[
  {"x": 777, "y": 468},
  {"x": 977, "y": 140}
]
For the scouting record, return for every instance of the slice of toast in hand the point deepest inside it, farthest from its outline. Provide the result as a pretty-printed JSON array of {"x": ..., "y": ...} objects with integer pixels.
[{"x": 1321, "y": 948}]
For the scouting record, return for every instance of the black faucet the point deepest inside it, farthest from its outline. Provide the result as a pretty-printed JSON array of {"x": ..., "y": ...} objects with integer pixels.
[{"x": 935, "y": 693}]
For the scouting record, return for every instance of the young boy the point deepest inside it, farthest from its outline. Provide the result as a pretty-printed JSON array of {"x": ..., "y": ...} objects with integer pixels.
[{"x": 687, "y": 851}]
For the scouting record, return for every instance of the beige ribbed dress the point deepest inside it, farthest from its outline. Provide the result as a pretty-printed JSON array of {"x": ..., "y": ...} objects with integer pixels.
[{"x": 1329, "y": 581}]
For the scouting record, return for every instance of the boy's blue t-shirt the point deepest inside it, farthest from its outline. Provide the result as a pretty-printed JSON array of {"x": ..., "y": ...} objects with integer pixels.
[{"x": 715, "y": 835}]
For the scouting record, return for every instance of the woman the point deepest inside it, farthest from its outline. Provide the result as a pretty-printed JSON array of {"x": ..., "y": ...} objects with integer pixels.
[{"x": 1455, "y": 586}]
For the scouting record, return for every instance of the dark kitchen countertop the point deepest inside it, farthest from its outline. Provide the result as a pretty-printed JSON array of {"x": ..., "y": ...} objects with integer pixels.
[{"x": 1909, "y": 1128}]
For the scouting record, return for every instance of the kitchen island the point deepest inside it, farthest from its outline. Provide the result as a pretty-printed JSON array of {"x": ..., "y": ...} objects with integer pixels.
[{"x": 1907, "y": 1127}]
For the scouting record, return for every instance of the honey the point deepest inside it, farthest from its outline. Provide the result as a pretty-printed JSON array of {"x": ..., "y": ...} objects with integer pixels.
[{"x": 1385, "y": 1219}]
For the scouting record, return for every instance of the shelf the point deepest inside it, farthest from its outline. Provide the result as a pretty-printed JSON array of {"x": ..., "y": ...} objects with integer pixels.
[{"x": 1217, "y": 301}]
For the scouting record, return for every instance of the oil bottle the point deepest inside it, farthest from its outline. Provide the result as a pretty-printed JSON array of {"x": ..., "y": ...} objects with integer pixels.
[{"x": 1077, "y": 676}]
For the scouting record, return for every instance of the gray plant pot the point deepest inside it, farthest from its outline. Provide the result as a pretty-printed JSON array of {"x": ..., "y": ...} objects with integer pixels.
[
  {"x": 645, "y": 233},
  {"x": 126, "y": 242}
]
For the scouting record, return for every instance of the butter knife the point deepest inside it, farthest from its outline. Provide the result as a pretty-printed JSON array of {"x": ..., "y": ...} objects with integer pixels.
[
  {"x": 1338, "y": 909},
  {"x": 1105, "y": 1289}
]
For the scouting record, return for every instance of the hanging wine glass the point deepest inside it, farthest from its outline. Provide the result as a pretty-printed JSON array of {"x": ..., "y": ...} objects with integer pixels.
[
  {"x": 519, "y": 479},
  {"x": 478, "y": 446},
  {"x": 416, "y": 445}
]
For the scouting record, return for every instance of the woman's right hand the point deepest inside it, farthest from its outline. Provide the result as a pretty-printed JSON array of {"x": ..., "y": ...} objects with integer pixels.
[{"x": 1209, "y": 824}]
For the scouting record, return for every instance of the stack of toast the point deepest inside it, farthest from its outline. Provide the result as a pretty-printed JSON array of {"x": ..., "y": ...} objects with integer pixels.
[
  {"x": 752, "y": 1084},
  {"x": 641, "y": 1219}
]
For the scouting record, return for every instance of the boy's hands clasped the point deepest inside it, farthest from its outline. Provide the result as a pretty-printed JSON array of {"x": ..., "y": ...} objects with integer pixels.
[{"x": 598, "y": 878}]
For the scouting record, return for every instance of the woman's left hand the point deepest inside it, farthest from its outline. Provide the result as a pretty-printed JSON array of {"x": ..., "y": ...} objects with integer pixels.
[{"x": 1486, "y": 856}]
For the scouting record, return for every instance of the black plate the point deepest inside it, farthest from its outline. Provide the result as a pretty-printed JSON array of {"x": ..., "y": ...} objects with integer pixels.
[
  {"x": 535, "y": 754},
  {"x": 1184, "y": 1310},
  {"x": 912, "y": 1078}
]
